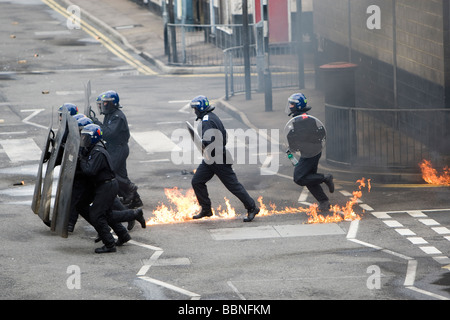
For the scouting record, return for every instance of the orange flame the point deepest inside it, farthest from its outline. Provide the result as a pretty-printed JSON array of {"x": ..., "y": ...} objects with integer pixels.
[
  {"x": 184, "y": 206},
  {"x": 430, "y": 175}
]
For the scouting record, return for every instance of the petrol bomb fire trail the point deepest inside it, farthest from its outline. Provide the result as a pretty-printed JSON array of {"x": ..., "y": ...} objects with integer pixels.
[
  {"x": 183, "y": 205},
  {"x": 431, "y": 176}
]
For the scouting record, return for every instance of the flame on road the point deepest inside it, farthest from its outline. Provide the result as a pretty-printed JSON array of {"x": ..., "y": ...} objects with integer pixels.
[
  {"x": 431, "y": 176},
  {"x": 184, "y": 205}
]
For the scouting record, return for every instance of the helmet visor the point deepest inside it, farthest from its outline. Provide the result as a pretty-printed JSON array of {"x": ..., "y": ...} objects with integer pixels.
[
  {"x": 86, "y": 138},
  {"x": 290, "y": 108}
]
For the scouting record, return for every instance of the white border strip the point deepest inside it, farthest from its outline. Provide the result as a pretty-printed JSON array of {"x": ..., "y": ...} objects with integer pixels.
[{"x": 194, "y": 296}]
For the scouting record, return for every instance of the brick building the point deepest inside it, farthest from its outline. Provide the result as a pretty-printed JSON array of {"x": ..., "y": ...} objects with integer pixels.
[{"x": 404, "y": 63}]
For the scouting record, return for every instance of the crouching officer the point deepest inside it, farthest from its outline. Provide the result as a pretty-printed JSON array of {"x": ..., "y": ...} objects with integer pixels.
[
  {"x": 95, "y": 163},
  {"x": 218, "y": 166}
]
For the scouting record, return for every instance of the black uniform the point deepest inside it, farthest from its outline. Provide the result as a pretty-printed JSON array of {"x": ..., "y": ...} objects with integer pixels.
[
  {"x": 96, "y": 165},
  {"x": 305, "y": 173},
  {"x": 80, "y": 186},
  {"x": 116, "y": 135},
  {"x": 222, "y": 169}
]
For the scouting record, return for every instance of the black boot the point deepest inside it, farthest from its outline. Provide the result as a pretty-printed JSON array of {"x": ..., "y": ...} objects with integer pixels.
[
  {"x": 140, "y": 217},
  {"x": 251, "y": 214},
  {"x": 122, "y": 240},
  {"x": 130, "y": 225},
  {"x": 324, "y": 207},
  {"x": 136, "y": 202},
  {"x": 106, "y": 249},
  {"x": 329, "y": 182},
  {"x": 128, "y": 198},
  {"x": 204, "y": 213},
  {"x": 70, "y": 227}
]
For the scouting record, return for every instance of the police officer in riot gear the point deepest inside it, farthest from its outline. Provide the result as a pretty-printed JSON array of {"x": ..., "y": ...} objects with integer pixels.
[
  {"x": 95, "y": 164},
  {"x": 214, "y": 138},
  {"x": 116, "y": 135},
  {"x": 305, "y": 172},
  {"x": 79, "y": 181}
]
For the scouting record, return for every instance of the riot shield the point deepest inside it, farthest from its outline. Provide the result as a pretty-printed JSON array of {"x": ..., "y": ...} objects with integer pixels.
[
  {"x": 305, "y": 134},
  {"x": 46, "y": 152},
  {"x": 195, "y": 137},
  {"x": 87, "y": 105},
  {"x": 61, "y": 209},
  {"x": 46, "y": 196}
]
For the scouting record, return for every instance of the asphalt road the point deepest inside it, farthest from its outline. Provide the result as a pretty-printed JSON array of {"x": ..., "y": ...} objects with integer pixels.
[{"x": 398, "y": 250}]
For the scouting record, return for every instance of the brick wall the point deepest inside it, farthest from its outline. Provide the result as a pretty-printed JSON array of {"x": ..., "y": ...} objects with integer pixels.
[{"x": 421, "y": 69}]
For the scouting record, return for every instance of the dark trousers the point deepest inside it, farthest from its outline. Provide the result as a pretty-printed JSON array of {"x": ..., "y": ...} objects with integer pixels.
[
  {"x": 99, "y": 214},
  {"x": 119, "y": 155},
  {"x": 225, "y": 173},
  {"x": 305, "y": 174},
  {"x": 78, "y": 189},
  {"x": 120, "y": 213}
]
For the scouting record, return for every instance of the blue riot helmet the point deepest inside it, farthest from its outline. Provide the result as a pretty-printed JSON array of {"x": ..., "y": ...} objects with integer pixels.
[
  {"x": 78, "y": 116},
  {"x": 90, "y": 135},
  {"x": 297, "y": 104},
  {"x": 73, "y": 109},
  {"x": 109, "y": 102},
  {"x": 83, "y": 121},
  {"x": 201, "y": 106}
]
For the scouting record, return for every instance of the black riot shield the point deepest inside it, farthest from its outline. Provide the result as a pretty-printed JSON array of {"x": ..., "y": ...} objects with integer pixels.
[
  {"x": 305, "y": 134},
  {"x": 61, "y": 209},
  {"x": 46, "y": 152},
  {"x": 46, "y": 195}
]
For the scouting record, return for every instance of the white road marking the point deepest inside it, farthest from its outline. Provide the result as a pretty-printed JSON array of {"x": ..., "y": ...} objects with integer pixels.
[
  {"x": 280, "y": 231},
  {"x": 442, "y": 259},
  {"x": 185, "y": 109},
  {"x": 303, "y": 195},
  {"x": 236, "y": 290},
  {"x": 154, "y": 141},
  {"x": 434, "y": 252},
  {"x": 345, "y": 193},
  {"x": 429, "y": 222},
  {"x": 353, "y": 230},
  {"x": 194, "y": 296},
  {"x": 381, "y": 215},
  {"x": 21, "y": 149},
  {"x": 441, "y": 230},
  {"x": 417, "y": 240},
  {"x": 405, "y": 232},
  {"x": 410, "y": 273},
  {"x": 430, "y": 250},
  {"x": 366, "y": 207},
  {"x": 34, "y": 113},
  {"x": 416, "y": 214},
  {"x": 392, "y": 223}
]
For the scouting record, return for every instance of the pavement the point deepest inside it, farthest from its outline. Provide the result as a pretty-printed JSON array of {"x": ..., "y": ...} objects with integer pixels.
[{"x": 146, "y": 40}]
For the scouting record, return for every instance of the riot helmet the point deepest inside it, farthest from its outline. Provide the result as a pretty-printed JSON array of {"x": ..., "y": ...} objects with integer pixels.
[
  {"x": 109, "y": 102},
  {"x": 83, "y": 121},
  {"x": 70, "y": 107},
  {"x": 78, "y": 116},
  {"x": 201, "y": 106},
  {"x": 90, "y": 135},
  {"x": 297, "y": 104}
]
